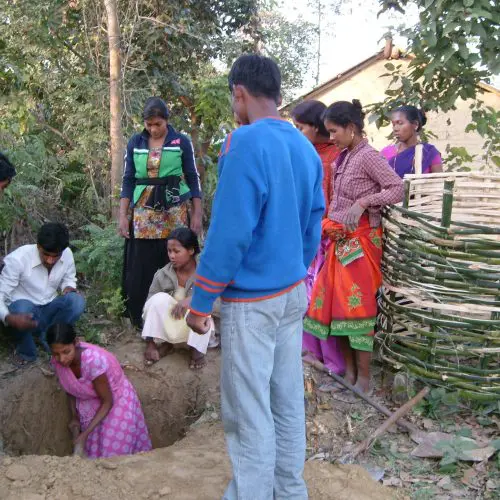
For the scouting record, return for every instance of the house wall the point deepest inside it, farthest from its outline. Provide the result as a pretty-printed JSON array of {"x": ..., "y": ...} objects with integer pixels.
[{"x": 369, "y": 87}]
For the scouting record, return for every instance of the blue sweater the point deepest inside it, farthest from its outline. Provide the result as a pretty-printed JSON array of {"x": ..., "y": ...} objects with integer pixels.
[{"x": 266, "y": 216}]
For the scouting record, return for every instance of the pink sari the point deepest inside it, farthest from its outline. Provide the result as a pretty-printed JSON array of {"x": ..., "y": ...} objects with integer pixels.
[{"x": 123, "y": 431}]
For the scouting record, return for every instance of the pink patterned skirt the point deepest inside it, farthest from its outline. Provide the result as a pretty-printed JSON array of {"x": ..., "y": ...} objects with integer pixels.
[{"x": 327, "y": 351}]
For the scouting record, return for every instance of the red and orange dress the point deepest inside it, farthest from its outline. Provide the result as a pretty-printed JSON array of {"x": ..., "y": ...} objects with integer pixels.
[{"x": 343, "y": 299}]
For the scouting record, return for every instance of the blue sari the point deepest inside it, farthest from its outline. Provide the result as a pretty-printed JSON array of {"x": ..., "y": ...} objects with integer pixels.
[{"x": 404, "y": 162}]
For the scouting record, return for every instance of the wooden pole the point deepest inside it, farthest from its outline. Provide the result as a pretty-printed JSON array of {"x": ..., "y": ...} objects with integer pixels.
[
  {"x": 401, "y": 412},
  {"x": 406, "y": 426}
]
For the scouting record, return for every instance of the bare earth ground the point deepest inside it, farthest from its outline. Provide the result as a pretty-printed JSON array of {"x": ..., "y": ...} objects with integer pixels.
[{"x": 33, "y": 421}]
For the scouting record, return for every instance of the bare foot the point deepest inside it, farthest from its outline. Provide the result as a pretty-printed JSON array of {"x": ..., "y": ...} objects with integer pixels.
[
  {"x": 363, "y": 385},
  {"x": 198, "y": 360},
  {"x": 308, "y": 356},
  {"x": 19, "y": 362},
  {"x": 165, "y": 349},
  {"x": 151, "y": 354},
  {"x": 350, "y": 377}
]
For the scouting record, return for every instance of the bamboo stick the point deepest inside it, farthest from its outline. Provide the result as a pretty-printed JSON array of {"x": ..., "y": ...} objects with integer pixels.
[
  {"x": 401, "y": 412},
  {"x": 440, "y": 306}
]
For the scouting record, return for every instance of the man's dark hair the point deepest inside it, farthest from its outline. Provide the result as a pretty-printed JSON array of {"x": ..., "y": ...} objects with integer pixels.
[
  {"x": 7, "y": 170},
  {"x": 53, "y": 237},
  {"x": 258, "y": 74}
]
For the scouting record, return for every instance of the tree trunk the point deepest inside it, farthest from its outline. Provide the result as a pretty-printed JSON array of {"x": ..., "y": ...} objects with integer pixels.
[
  {"x": 318, "y": 55},
  {"x": 115, "y": 105},
  {"x": 195, "y": 136}
]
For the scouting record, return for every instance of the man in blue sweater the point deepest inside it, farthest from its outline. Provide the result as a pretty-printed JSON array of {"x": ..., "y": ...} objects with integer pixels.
[{"x": 264, "y": 233}]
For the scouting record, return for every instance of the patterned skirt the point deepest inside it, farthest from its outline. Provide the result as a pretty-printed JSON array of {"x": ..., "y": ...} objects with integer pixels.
[
  {"x": 143, "y": 257},
  {"x": 343, "y": 301}
]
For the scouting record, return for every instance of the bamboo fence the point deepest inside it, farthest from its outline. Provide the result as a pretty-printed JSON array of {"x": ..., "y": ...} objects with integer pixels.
[{"x": 440, "y": 303}]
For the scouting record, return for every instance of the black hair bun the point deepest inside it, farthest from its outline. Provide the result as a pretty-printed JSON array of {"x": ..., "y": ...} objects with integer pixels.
[
  {"x": 423, "y": 117},
  {"x": 358, "y": 106}
]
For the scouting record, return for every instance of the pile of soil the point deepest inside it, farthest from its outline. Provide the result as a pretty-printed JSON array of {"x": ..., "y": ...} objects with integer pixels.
[
  {"x": 196, "y": 467},
  {"x": 34, "y": 417}
]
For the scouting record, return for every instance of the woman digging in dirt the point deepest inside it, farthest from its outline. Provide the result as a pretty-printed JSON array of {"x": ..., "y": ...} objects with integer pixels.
[
  {"x": 169, "y": 300},
  {"x": 107, "y": 418}
]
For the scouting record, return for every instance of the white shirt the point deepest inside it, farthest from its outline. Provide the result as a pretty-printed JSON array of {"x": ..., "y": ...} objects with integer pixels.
[{"x": 25, "y": 277}]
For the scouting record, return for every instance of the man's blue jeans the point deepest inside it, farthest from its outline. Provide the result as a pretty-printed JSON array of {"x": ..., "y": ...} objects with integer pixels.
[
  {"x": 63, "y": 309},
  {"x": 263, "y": 396}
]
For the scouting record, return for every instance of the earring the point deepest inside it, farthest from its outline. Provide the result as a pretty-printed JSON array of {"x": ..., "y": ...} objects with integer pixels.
[{"x": 352, "y": 135}]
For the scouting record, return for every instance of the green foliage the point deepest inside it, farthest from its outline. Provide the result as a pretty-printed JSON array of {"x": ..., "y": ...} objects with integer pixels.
[
  {"x": 101, "y": 246},
  {"x": 440, "y": 404},
  {"x": 453, "y": 450},
  {"x": 54, "y": 104},
  {"x": 454, "y": 47},
  {"x": 290, "y": 44},
  {"x": 99, "y": 257},
  {"x": 113, "y": 303},
  {"x": 89, "y": 332}
]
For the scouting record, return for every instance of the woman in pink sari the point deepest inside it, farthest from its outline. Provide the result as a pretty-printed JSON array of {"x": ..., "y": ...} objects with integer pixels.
[{"x": 107, "y": 418}]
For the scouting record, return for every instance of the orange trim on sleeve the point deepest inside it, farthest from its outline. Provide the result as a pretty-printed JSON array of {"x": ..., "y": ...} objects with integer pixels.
[
  {"x": 198, "y": 313},
  {"x": 210, "y": 282},
  {"x": 265, "y": 297},
  {"x": 209, "y": 290},
  {"x": 228, "y": 142}
]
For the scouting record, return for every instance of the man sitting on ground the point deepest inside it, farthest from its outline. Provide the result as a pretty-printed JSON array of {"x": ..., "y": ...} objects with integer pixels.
[{"x": 29, "y": 284}]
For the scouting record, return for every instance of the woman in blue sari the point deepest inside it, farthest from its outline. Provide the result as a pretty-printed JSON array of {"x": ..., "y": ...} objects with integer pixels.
[{"x": 408, "y": 155}]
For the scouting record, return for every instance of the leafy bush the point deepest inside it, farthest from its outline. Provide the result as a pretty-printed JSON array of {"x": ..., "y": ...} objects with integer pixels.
[{"x": 99, "y": 258}]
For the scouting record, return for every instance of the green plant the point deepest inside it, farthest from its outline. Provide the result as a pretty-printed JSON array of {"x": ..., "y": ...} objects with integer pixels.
[
  {"x": 453, "y": 451},
  {"x": 99, "y": 258},
  {"x": 113, "y": 303},
  {"x": 90, "y": 333},
  {"x": 454, "y": 48},
  {"x": 440, "y": 403}
]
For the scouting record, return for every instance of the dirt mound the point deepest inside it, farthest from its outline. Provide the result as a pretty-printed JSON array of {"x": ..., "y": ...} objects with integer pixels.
[
  {"x": 34, "y": 410},
  {"x": 194, "y": 468}
]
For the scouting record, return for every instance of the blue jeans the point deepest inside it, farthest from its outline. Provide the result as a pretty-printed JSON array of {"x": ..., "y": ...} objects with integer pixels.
[
  {"x": 262, "y": 392},
  {"x": 63, "y": 309}
]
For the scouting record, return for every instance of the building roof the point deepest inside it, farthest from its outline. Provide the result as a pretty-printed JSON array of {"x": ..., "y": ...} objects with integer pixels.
[
  {"x": 349, "y": 73},
  {"x": 337, "y": 79}
]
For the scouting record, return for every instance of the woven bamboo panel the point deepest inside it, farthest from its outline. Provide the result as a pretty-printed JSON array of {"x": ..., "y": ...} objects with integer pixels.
[{"x": 440, "y": 304}]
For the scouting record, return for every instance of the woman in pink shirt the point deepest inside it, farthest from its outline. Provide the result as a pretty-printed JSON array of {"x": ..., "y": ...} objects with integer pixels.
[
  {"x": 107, "y": 418},
  {"x": 343, "y": 302},
  {"x": 407, "y": 122}
]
